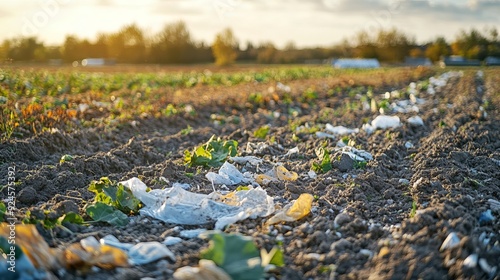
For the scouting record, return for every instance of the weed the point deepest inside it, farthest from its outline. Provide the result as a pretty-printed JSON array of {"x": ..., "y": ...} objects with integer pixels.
[{"x": 413, "y": 211}]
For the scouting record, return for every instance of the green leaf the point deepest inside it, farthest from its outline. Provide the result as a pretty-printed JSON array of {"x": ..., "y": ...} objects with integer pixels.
[
  {"x": 274, "y": 257},
  {"x": 326, "y": 164},
  {"x": 126, "y": 201},
  {"x": 211, "y": 154},
  {"x": 236, "y": 254},
  {"x": 71, "y": 217},
  {"x": 101, "y": 212},
  {"x": 261, "y": 132},
  {"x": 3, "y": 209}
]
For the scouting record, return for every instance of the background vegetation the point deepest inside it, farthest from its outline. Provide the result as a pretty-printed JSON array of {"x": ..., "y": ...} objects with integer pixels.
[{"x": 174, "y": 45}]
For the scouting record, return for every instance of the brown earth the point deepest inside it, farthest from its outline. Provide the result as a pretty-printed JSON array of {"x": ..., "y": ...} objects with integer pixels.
[{"x": 450, "y": 173}]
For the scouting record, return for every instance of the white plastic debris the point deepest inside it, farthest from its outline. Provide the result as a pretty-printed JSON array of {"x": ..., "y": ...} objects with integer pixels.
[
  {"x": 147, "y": 252},
  {"x": 384, "y": 122},
  {"x": 471, "y": 261},
  {"x": 207, "y": 269},
  {"x": 171, "y": 240},
  {"x": 138, "y": 254},
  {"x": 256, "y": 148},
  {"x": 178, "y": 206},
  {"x": 340, "y": 130},
  {"x": 183, "y": 185},
  {"x": 409, "y": 145},
  {"x": 494, "y": 204},
  {"x": 320, "y": 134},
  {"x": 416, "y": 121},
  {"x": 228, "y": 175},
  {"x": 191, "y": 233},
  {"x": 355, "y": 154},
  {"x": 283, "y": 87},
  {"x": 450, "y": 242},
  {"x": 248, "y": 159},
  {"x": 312, "y": 174},
  {"x": 111, "y": 240},
  {"x": 292, "y": 151}
]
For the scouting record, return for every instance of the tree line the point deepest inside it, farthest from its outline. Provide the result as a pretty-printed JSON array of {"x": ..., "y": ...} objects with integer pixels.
[{"x": 174, "y": 45}]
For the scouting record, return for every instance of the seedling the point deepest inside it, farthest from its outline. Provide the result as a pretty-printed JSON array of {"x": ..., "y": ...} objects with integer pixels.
[
  {"x": 187, "y": 130},
  {"x": 262, "y": 132},
  {"x": 413, "y": 211},
  {"x": 325, "y": 165},
  {"x": 211, "y": 154},
  {"x": 112, "y": 203}
]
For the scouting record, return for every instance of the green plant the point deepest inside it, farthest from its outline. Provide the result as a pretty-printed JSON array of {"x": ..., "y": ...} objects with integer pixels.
[
  {"x": 112, "y": 202},
  {"x": 324, "y": 156},
  {"x": 65, "y": 158},
  {"x": 3, "y": 209},
  {"x": 187, "y": 130},
  {"x": 50, "y": 223},
  {"x": 211, "y": 154},
  {"x": 360, "y": 164},
  {"x": 413, "y": 211},
  {"x": 170, "y": 110},
  {"x": 239, "y": 257},
  {"x": 262, "y": 132}
]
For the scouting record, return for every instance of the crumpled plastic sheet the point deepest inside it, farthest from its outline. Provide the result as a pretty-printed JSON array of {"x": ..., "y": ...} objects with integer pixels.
[
  {"x": 340, "y": 130},
  {"x": 228, "y": 175},
  {"x": 293, "y": 211},
  {"x": 140, "y": 253},
  {"x": 206, "y": 270},
  {"x": 253, "y": 160},
  {"x": 382, "y": 122},
  {"x": 355, "y": 154},
  {"x": 178, "y": 206}
]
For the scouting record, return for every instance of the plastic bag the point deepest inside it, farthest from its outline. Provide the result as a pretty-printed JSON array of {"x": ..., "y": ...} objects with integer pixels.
[{"x": 294, "y": 211}]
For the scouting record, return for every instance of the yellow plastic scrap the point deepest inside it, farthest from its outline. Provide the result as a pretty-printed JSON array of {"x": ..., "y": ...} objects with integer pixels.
[
  {"x": 106, "y": 257},
  {"x": 207, "y": 270},
  {"x": 263, "y": 179},
  {"x": 293, "y": 212},
  {"x": 32, "y": 244},
  {"x": 283, "y": 174}
]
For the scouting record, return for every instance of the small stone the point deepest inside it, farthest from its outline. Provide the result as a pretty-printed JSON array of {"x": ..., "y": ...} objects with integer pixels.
[
  {"x": 409, "y": 145},
  {"x": 384, "y": 252},
  {"x": 471, "y": 261},
  {"x": 485, "y": 266},
  {"x": 346, "y": 163},
  {"x": 404, "y": 182},
  {"x": 366, "y": 252},
  {"x": 313, "y": 256},
  {"x": 416, "y": 121},
  {"x": 341, "y": 245},
  {"x": 27, "y": 195},
  {"x": 341, "y": 219},
  {"x": 66, "y": 206},
  {"x": 450, "y": 242}
]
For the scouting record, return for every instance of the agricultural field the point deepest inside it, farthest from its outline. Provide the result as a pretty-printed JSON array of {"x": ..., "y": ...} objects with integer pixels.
[{"x": 296, "y": 172}]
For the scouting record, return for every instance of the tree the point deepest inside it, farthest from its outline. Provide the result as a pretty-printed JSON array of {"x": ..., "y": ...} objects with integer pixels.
[
  {"x": 26, "y": 49},
  {"x": 173, "y": 45},
  {"x": 225, "y": 48},
  {"x": 437, "y": 49},
  {"x": 470, "y": 44}
]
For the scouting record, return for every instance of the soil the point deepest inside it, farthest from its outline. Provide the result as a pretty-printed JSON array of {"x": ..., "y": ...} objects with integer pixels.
[{"x": 362, "y": 225}]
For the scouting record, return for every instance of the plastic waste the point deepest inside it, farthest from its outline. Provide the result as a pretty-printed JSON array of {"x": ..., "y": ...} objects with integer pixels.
[
  {"x": 494, "y": 204},
  {"x": 384, "y": 122},
  {"x": 228, "y": 175},
  {"x": 320, "y": 134},
  {"x": 283, "y": 174},
  {"x": 147, "y": 252},
  {"x": 138, "y": 254},
  {"x": 192, "y": 233},
  {"x": 486, "y": 267},
  {"x": 486, "y": 217},
  {"x": 450, "y": 242},
  {"x": 206, "y": 270},
  {"x": 293, "y": 211},
  {"x": 340, "y": 130},
  {"x": 471, "y": 261},
  {"x": 292, "y": 151},
  {"x": 416, "y": 121},
  {"x": 178, "y": 206},
  {"x": 89, "y": 252},
  {"x": 171, "y": 240},
  {"x": 355, "y": 154},
  {"x": 33, "y": 246},
  {"x": 248, "y": 159}
]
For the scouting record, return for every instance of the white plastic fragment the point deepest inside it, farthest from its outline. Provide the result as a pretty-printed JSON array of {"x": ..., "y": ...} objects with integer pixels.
[
  {"x": 384, "y": 122},
  {"x": 409, "y": 145},
  {"x": 90, "y": 244},
  {"x": 340, "y": 130},
  {"x": 494, "y": 204},
  {"x": 292, "y": 151},
  {"x": 183, "y": 185},
  {"x": 355, "y": 154},
  {"x": 320, "y": 134},
  {"x": 207, "y": 269},
  {"x": 416, "y": 121},
  {"x": 178, "y": 206},
  {"x": 312, "y": 174},
  {"x": 228, "y": 175},
  {"x": 470, "y": 261},
  {"x": 248, "y": 159},
  {"x": 450, "y": 242},
  {"x": 111, "y": 240},
  {"x": 171, "y": 240},
  {"x": 192, "y": 233},
  {"x": 366, "y": 252},
  {"x": 147, "y": 252}
]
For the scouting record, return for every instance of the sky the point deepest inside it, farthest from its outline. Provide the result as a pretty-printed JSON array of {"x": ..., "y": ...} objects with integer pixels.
[{"x": 305, "y": 22}]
